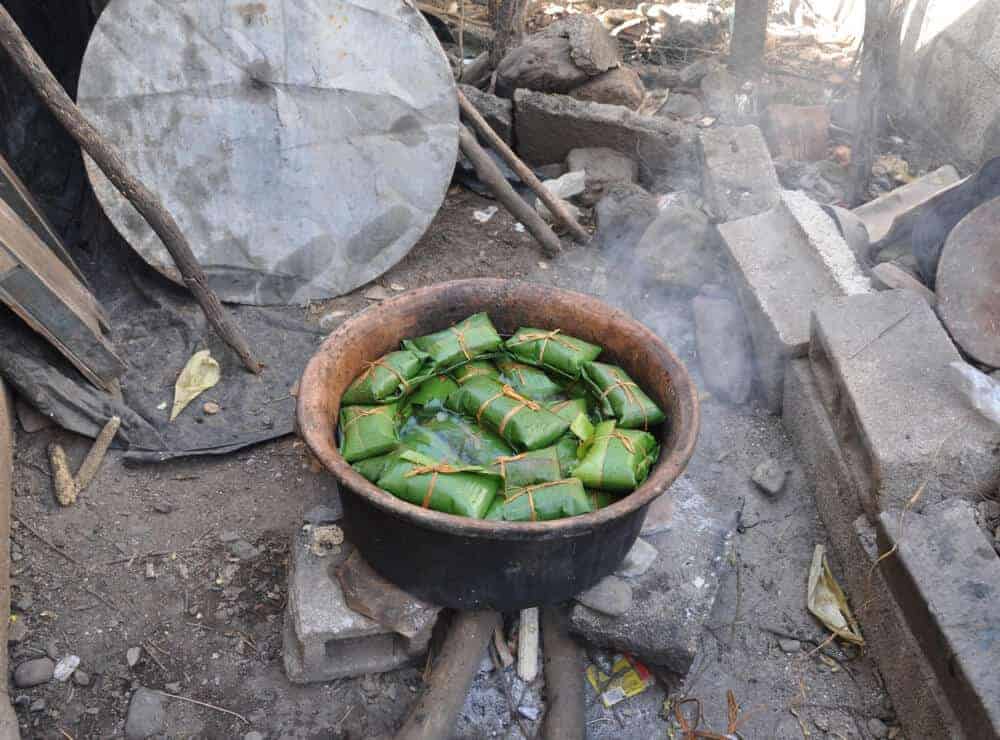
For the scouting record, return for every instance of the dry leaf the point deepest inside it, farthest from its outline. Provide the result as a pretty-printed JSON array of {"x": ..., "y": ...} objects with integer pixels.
[
  {"x": 201, "y": 373},
  {"x": 827, "y": 601}
]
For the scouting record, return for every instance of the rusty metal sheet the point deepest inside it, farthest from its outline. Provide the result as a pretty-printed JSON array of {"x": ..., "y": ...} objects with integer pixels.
[
  {"x": 968, "y": 283},
  {"x": 302, "y": 147}
]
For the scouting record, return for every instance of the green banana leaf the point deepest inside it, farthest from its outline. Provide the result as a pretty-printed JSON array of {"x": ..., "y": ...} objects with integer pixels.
[
  {"x": 367, "y": 431},
  {"x": 454, "y": 489},
  {"x": 552, "y": 349},
  {"x": 617, "y": 460},
  {"x": 474, "y": 369},
  {"x": 545, "y": 501},
  {"x": 451, "y": 438},
  {"x": 388, "y": 378},
  {"x": 566, "y": 450},
  {"x": 466, "y": 340},
  {"x": 569, "y": 409},
  {"x": 537, "y": 466},
  {"x": 373, "y": 467},
  {"x": 527, "y": 380},
  {"x": 431, "y": 392},
  {"x": 600, "y": 499},
  {"x": 621, "y": 397},
  {"x": 522, "y": 422}
]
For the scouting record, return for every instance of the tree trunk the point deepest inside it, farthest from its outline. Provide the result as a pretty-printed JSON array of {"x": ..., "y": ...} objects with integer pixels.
[
  {"x": 746, "y": 49},
  {"x": 870, "y": 109},
  {"x": 507, "y": 18}
]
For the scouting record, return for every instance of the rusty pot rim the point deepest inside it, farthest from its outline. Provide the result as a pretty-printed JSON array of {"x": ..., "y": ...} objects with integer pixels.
[{"x": 317, "y": 430}]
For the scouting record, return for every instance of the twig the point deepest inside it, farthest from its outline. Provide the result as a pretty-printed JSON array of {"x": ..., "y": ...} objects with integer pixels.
[
  {"x": 44, "y": 541},
  {"x": 230, "y": 712}
]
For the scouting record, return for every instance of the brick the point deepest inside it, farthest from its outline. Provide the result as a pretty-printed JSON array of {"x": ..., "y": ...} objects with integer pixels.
[
  {"x": 786, "y": 260},
  {"x": 881, "y": 364},
  {"x": 946, "y": 577},
  {"x": 738, "y": 177}
]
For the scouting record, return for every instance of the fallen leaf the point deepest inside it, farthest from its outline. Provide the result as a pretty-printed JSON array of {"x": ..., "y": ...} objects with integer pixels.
[
  {"x": 201, "y": 373},
  {"x": 827, "y": 601}
]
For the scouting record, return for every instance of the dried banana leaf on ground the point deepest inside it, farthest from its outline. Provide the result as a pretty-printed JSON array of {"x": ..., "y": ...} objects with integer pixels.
[
  {"x": 545, "y": 501},
  {"x": 367, "y": 431},
  {"x": 522, "y": 422},
  {"x": 527, "y": 380},
  {"x": 389, "y": 378},
  {"x": 475, "y": 369},
  {"x": 466, "y": 340},
  {"x": 454, "y": 489},
  {"x": 552, "y": 349},
  {"x": 621, "y": 397},
  {"x": 537, "y": 466},
  {"x": 617, "y": 460},
  {"x": 433, "y": 391},
  {"x": 449, "y": 437}
]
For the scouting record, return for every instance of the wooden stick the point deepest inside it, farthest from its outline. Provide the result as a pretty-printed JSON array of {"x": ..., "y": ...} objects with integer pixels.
[
  {"x": 106, "y": 156},
  {"x": 90, "y": 464},
  {"x": 527, "y": 645},
  {"x": 522, "y": 170},
  {"x": 490, "y": 174}
]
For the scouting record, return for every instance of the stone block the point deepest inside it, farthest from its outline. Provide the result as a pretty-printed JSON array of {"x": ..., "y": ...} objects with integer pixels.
[
  {"x": 945, "y": 576},
  {"x": 786, "y": 260},
  {"x": 879, "y": 215},
  {"x": 548, "y": 127},
  {"x": 881, "y": 365},
  {"x": 497, "y": 111},
  {"x": 673, "y": 598},
  {"x": 738, "y": 176},
  {"x": 603, "y": 167},
  {"x": 619, "y": 86}
]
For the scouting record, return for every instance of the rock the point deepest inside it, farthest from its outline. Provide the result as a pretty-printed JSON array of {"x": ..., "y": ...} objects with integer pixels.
[
  {"x": 611, "y": 595},
  {"x": 243, "y": 550},
  {"x": 174, "y": 687},
  {"x": 497, "y": 111},
  {"x": 34, "y": 672},
  {"x": 789, "y": 646},
  {"x": 719, "y": 90},
  {"x": 770, "y": 476},
  {"x": 65, "y": 667},
  {"x": 38, "y": 705},
  {"x": 623, "y": 215},
  {"x": 81, "y": 678},
  {"x": 18, "y": 630},
  {"x": 619, "y": 86},
  {"x": 694, "y": 73},
  {"x": 723, "y": 342},
  {"x": 163, "y": 507},
  {"x": 145, "y": 715},
  {"x": 682, "y": 105},
  {"x": 602, "y": 168},
  {"x": 528, "y": 712},
  {"x": 878, "y": 728},
  {"x": 562, "y": 56},
  {"x": 31, "y": 420},
  {"x": 988, "y": 513},
  {"x": 688, "y": 24},
  {"x": 637, "y": 560},
  {"x": 887, "y": 276},
  {"x": 563, "y": 187},
  {"x": 211, "y": 408},
  {"x": 738, "y": 176},
  {"x": 132, "y": 656},
  {"x": 331, "y": 319},
  {"x": 679, "y": 248},
  {"x": 377, "y": 293},
  {"x": 253, "y": 735}
]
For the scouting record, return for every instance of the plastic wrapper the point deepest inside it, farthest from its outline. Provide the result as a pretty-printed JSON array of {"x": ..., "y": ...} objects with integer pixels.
[
  {"x": 367, "y": 431},
  {"x": 522, "y": 422},
  {"x": 466, "y": 340},
  {"x": 537, "y": 466},
  {"x": 389, "y": 378},
  {"x": 552, "y": 349},
  {"x": 621, "y": 397},
  {"x": 617, "y": 460},
  {"x": 433, "y": 391},
  {"x": 454, "y": 489},
  {"x": 527, "y": 380},
  {"x": 451, "y": 438},
  {"x": 475, "y": 369},
  {"x": 543, "y": 502}
]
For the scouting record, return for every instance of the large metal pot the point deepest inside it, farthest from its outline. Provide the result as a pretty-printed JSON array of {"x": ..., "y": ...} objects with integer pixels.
[{"x": 467, "y": 563}]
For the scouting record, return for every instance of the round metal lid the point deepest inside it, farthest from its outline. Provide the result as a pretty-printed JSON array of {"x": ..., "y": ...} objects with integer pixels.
[{"x": 303, "y": 147}]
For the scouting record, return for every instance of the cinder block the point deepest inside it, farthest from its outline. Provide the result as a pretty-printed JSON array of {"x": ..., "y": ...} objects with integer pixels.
[
  {"x": 786, "y": 260},
  {"x": 946, "y": 578},
  {"x": 916, "y": 694},
  {"x": 881, "y": 365},
  {"x": 737, "y": 174}
]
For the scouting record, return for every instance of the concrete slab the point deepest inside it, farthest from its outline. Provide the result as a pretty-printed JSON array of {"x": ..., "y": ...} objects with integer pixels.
[
  {"x": 879, "y": 215},
  {"x": 738, "y": 177},
  {"x": 881, "y": 364},
  {"x": 946, "y": 577}
]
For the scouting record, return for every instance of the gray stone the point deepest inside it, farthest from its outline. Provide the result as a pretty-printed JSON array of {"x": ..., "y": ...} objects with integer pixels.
[
  {"x": 694, "y": 73},
  {"x": 174, "y": 687},
  {"x": 877, "y": 728},
  {"x": 679, "y": 249},
  {"x": 81, "y": 678},
  {"x": 146, "y": 715},
  {"x": 163, "y": 507},
  {"x": 881, "y": 364},
  {"x": 723, "y": 347},
  {"x": 619, "y": 86},
  {"x": 674, "y": 597},
  {"x": 497, "y": 111},
  {"x": 253, "y": 735},
  {"x": 718, "y": 92},
  {"x": 622, "y": 217},
  {"x": 738, "y": 176},
  {"x": 132, "y": 656},
  {"x": 31, "y": 420},
  {"x": 660, "y": 514},
  {"x": 789, "y": 646},
  {"x": 33, "y": 672},
  {"x": 548, "y": 127},
  {"x": 637, "y": 560},
  {"x": 887, "y": 276},
  {"x": 610, "y": 595},
  {"x": 65, "y": 667},
  {"x": 529, "y": 712},
  {"x": 242, "y": 550},
  {"x": 879, "y": 215},
  {"x": 38, "y": 705},
  {"x": 946, "y": 577},
  {"x": 682, "y": 105},
  {"x": 769, "y": 476},
  {"x": 603, "y": 167}
]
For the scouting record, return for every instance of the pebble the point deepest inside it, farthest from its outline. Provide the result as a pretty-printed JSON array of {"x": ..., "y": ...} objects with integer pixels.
[
  {"x": 37, "y": 706},
  {"x": 145, "y": 715},
  {"x": 163, "y": 507},
  {"x": 528, "y": 712},
  {"x": 132, "y": 656},
  {"x": 65, "y": 667},
  {"x": 878, "y": 728},
  {"x": 611, "y": 595},
  {"x": 769, "y": 476},
  {"x": 18, "y": 630},
  {"x": 638, "y": 559},
  {"x": 253, "y": 735},
  {"x": 81, "y": 678},
  {"x": 211, "y": 408},
  {"x": 377, "y": 293},
  {"x": 34, "y": 672},
  {"x": 790, "y": 646},
  {"x": 174, "y": 687}
]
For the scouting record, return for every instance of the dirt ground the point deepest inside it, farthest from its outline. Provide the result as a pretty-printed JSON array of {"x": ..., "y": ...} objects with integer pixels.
[{"x": 142, "y": 561}]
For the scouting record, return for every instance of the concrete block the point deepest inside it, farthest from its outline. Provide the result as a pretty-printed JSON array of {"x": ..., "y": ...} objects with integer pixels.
[
  {"x": 916, "y": 694},
  {"x": 673, "y": 598},
  {"x": 881, "y": 365},
  {"x": 738, "y": 177},
  {"x": 786, "y": 260},
  {"x": 879, "y": 215},
  {"x": 945, "y": 576},
  {"x": 548, "y": 127},
  {"x": 497, "y": 111}
]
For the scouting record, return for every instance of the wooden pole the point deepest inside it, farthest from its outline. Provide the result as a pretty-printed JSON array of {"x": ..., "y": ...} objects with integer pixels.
[
  {"x": 521, "y": 169},
  {"x": 106, "y": 157},
  {"x": 490, "y": 174},
  {"x": 869, "y": 98}
]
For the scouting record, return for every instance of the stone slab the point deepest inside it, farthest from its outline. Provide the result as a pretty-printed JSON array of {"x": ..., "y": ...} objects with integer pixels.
[
  {"x": 881, "y": 364},
  {"x": 879, "y": 215},
  {"x": 674, "y": 597},
  {"x": 946, "y": 577},
  {"x": 738, "y": 177}
]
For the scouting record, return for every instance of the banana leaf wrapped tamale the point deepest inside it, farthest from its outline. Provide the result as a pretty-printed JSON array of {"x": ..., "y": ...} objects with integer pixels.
[
  {"x": 537, "y": 466},
  {"x": 552, "y": 349},
  {"x": 373, "y": 467},
  {"x": 367, "y": 431},
  {"x": 475, "y": 369},
  {"x": 617, "y": 460},
  {"x": 522, "y": 422},
  {"x": 451, "y": 438},
  {"x": 436, "y": 388},
  {"x": 544, "y": 501},
  {"x": 466, "y": 340},
  {"x": 454, "y": 489},
  {"x": 566, "y": 450},
  {"x": 600, "y": 499},
  {"x": 527, "y": 380},
  {"x": 575, "y": 412},
  {"x": 388, "y": 378},
  {"x": 621, "y": 397}
]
